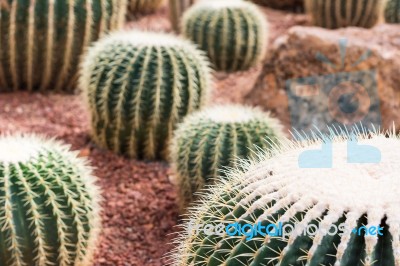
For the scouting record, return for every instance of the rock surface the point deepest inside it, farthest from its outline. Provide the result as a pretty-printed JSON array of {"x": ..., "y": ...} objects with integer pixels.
[{"x": 306, "y": 82}]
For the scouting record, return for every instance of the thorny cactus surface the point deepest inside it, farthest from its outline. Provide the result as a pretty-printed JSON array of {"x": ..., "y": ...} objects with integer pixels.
[
  {"x": 275, "y": 189},
  {"x": 49, "y": 211},
  {"x": 139, "y": 86},
  {"x": 41, "y": 41}
]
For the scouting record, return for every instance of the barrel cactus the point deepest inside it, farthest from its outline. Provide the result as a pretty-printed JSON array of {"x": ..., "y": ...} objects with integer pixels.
[
  {"x": 392, "y": 11},
  {"x": 144, "y": 6},
  {"x": 213, "y": 139},
  {"x": 49, "y": 202},
  {"x": 343, "y": 13},
  {"x": 275, "y": 191},
  {"x": 234, "y": 33},
  {"x": 41, "y": 41},
  {"x": 139, "y": 86}
]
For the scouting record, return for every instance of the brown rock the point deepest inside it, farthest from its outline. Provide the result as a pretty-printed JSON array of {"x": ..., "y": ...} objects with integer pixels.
[{"x": 365, "y": 88}]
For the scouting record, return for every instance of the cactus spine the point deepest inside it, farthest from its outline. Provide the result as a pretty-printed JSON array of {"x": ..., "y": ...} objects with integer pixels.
[
  {"x": 210, "y": 140},
  {"x": 234, "y": 33},
  {"x": 392, "y": 11},
  {"x": 41, "y": 41},
  {"x": 139, "y": 86},
  {"x": 144, "y": 6},
  {"x": 343, "y": 13},
  {"x": 176, "y": 10},
  {"x": 276, "y": 190},
  {"x": 49, "y": 211}
]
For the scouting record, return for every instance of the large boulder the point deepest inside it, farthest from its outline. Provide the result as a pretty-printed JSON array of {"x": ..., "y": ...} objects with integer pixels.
[{"x": 318, "y": 77}]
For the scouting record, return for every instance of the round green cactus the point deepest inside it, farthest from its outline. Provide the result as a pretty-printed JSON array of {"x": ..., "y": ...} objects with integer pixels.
[
  {"x": 41, "y": 41},
  {"x": 233, "y": 33},
  {"x": 392, "y": 11},
  {"x": 49, "y": 202},
  {"x": 139, "y": 86},
  {"x": 144, "y": 6},
  {"x": 343, "y": 13},
  {"x": 213, "y": 139},
  {"x": 275, "y": 192}
]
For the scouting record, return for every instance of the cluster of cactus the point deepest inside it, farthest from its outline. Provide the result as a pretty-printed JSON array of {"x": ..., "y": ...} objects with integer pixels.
[
  {"x": 276, "y": 193},
  {"x": 41, "y": 41},
  {"x": 138, "y": 86},
  {"x": 216, "y": 138},
  {"x": 392, "y": 11},
  {"x": 233, "y": 33},
  {"x": 281, "y": 4},
  {"x": 176, "y": 10},
  {"x": 49, "y": 202},
  {"x": 144, "y": 6},
  {"x": 344, "y": 13}
]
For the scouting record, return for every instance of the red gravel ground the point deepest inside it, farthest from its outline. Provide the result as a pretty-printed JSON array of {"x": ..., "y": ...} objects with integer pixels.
[{"x": 140, "y": 213}]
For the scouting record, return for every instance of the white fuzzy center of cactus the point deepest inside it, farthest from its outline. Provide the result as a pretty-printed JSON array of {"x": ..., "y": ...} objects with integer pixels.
[
  {"x": 229, "y": 114},
  {"x": 18, "y": 149},
  {"x": 356, "y": 181},
  {"x": 224, "y": 3}
]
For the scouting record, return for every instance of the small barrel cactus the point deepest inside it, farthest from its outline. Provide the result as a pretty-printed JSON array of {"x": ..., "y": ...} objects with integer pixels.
[
  {"x": 276, "y": 213},
  {"x": 41, "y": 41},
  {"x": 392, "y": 11},
  {"x": 139, "y": 86},
  {"x": 335, "y": 14},
  {"x": 211, "y": 140},
  {"x": 144, "y": 6},
  {"x": 49, "y": 212},
  {"x": 233, "y": 33}
]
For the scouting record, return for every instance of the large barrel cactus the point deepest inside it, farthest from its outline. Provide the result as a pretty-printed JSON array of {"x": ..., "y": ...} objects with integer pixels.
[
  {"x": 139, "y": 86},
  {"x": 144, "y": 6},
  {"x": 334, "y": 14},
  {"x": 233, "y": 33},
  {"x": 392, "y": 11},
  {"x": 49, "y": 212},
  {"x": 214, "y": 139},
  {"x": 277, "y": 213},
  {"x": 41, "y": 41}
]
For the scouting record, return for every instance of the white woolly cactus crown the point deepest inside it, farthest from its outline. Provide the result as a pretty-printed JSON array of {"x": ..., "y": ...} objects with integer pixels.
[
  {"x": 274, "y": 189},
  {"x": 50, "y": 211}
]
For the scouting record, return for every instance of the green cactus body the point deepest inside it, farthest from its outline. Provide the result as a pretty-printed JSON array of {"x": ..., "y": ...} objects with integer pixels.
[
  {"x": 392, "y": 11},
  {"x": 49, "y": 202},
  {"x": 41, "y": 40},
  {"x": 233, "y": 33},
  {"x": 139, "y": 86},
  {"x": 344, "y": 13},
  {"x": 144, "y": 6},
  {"x": 213, "y": 139},
  {"x": 274, "y": 190}
]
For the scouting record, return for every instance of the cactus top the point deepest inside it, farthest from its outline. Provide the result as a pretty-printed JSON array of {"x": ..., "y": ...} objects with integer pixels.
[
  {"x": 277, "y": 190},
  {"x": 234, "y": 114}
]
